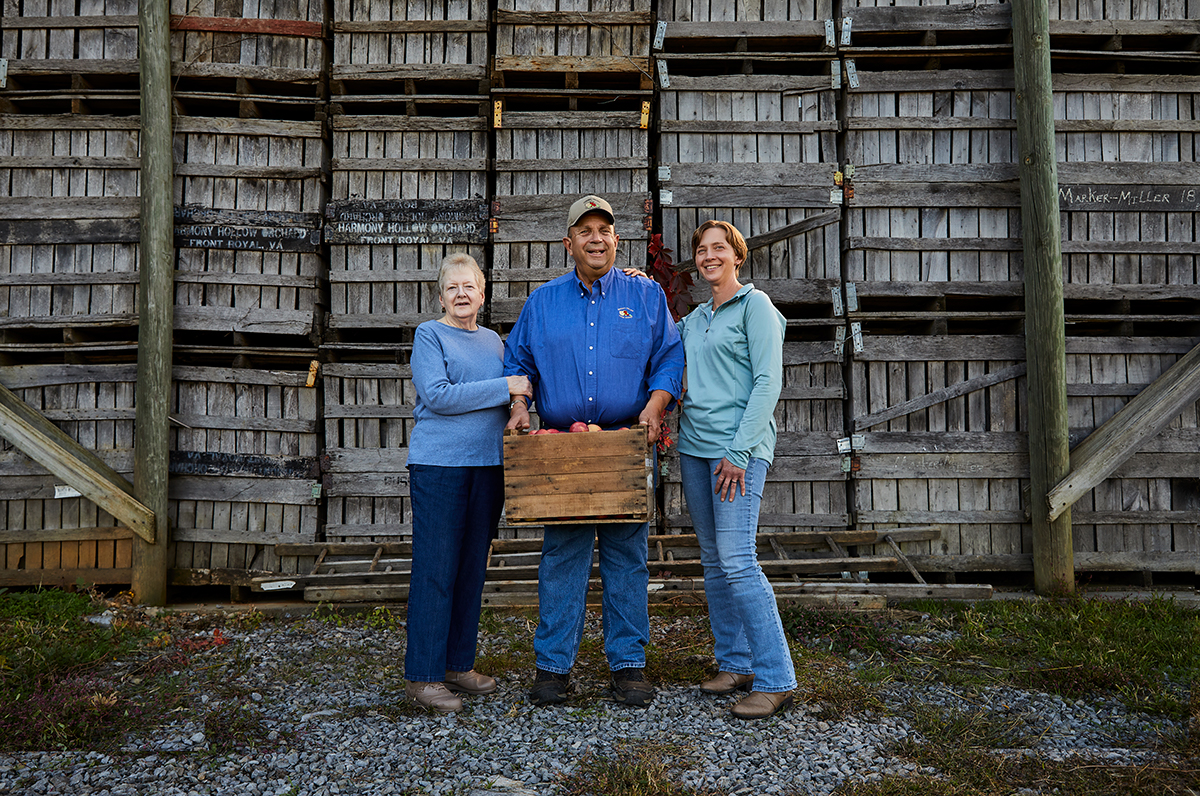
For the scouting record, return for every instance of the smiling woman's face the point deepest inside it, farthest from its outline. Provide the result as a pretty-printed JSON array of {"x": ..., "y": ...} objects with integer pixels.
[{"x": 461, "y": 297}]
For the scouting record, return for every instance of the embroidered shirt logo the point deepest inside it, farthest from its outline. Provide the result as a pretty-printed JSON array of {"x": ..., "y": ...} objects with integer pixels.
[{"x": 625, "y": 312}]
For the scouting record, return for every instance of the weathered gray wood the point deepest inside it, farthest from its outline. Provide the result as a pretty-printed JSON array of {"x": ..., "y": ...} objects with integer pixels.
[
  {"x": 939, "y": 396},
  {"x": 156, "y": 265},
  {"x": 1105, "y": 450},
  {"x": 70, "y": 461}
]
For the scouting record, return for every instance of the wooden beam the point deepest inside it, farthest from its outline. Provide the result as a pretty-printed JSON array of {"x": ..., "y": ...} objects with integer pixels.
[
  {"x": 78, "y": 467},
  {"x": 1045, "y": 321},
  {"x": 156, "y": 257},
  {"x": 1123, "y": 434}
]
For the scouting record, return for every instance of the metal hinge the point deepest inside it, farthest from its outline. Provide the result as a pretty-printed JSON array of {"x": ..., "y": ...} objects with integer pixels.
[
  {"x": 664, "y": 173},
  {"x": 665, "y": 197},
  {"x": 660, "y": 35},
  {"x": 497, "y": 113},
  {"x": 856, "y": 337},
  {"x": 664, "y": 80},
  {"x": 836, "y": 293},
  {"x": 846, "y": 22},
  {"x": 645, "y": 114},
  {"x": 839, "y": 342},
  {"x": 851, "y": 73},
  {"x": 830, "y": 37},
  {"x": 3, "y": 73}
]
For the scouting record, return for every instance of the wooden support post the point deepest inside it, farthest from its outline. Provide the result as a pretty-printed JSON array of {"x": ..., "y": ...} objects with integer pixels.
[
  {"x": 155, "y": 299},
  {"x": 1045, "y": 324}
]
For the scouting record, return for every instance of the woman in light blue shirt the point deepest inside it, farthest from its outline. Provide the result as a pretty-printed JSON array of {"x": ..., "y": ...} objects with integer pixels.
[
  {"x": 456, "y": 487},
  {"x": 734, "y": 351}
]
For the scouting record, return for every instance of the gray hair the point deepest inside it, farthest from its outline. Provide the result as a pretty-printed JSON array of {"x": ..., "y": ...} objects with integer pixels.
[{"x": 459, "y": 261}]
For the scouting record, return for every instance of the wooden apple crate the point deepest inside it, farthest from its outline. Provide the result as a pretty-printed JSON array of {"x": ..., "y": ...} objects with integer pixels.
[{"x": 589, "y": 477}]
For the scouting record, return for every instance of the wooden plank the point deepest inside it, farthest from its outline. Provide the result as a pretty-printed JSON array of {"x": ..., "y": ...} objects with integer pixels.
[{"x": 64, "y": 577}]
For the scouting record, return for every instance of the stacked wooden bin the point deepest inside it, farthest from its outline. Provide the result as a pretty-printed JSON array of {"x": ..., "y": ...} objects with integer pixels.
[
  {"x": 68, "y": 274},
  {"x": 251, "y": 156},
  {"x": 409, "y": 186},
  {"x": 934, "y": 263},
  {"x": 747, "y": 121}
]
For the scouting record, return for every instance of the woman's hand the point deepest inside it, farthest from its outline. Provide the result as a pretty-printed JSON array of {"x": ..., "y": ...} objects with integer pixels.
[
  {"x": 635, "y": 272},
  {"x": 728, "y": 476},
  {"x": 519, "y": 385},
  {"x": 518, "y": 417}
]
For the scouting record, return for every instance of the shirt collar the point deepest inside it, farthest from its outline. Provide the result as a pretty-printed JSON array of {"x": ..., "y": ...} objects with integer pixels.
[
  {"x": 746, "y": 288},
  {"x": 605, "y": 282}
]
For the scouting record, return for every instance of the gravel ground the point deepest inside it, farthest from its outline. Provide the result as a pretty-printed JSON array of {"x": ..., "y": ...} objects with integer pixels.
[{"x": 328, "y": 702}]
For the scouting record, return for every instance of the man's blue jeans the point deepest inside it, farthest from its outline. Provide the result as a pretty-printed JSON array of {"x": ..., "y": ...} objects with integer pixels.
[
  {"x": 563, "y": 576},
  {"x": 741, "y": 604},
  {"x": 455, "y": 511}
]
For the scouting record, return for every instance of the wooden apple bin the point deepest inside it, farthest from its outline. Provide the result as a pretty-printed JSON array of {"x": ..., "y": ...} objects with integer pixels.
[{"x": 585, "y": 477}]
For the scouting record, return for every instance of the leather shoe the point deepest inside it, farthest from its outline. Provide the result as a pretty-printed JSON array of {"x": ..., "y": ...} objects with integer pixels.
[
  {"x": 629, "y": 686},
  {"x": 471, "y": 682},
  {"x": 761, "y": 704},
  {"x": 433, "y": 696},
  {"x": 727, "y": 683}
]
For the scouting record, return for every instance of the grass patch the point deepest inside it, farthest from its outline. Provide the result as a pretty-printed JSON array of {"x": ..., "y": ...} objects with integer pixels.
[
  {"x": 634, "y": 769},
  {"x": 856, "y": 635},
  {"x": 55, "y": 690},
  {"x": 1145, "y": 652},
  {"x": 831, "y": 689}
]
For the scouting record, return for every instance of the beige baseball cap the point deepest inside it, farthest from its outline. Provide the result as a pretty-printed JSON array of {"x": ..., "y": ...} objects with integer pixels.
[{"x": 589, "y": 204}]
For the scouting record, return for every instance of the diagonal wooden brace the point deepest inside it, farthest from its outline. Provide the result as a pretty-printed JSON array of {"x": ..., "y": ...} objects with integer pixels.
[
  {"x": 80, "y": 468},
  {"x": 1107, "y": 448}
]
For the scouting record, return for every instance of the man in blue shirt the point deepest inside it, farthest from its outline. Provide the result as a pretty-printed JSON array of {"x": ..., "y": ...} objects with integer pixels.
[{"x": 599, "y": 347}]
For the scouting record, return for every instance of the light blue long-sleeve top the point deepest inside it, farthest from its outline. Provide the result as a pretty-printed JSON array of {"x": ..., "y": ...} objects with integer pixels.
[
  {"x": 462, "y": 398},
  {"x": 734, "y": 377}
]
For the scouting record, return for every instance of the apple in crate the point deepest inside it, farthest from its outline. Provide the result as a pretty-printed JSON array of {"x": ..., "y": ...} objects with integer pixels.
[{"x": 579, "y": 425}]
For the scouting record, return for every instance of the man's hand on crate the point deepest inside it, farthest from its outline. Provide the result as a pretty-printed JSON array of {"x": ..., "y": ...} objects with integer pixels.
[{"x": 651, "y": 416}]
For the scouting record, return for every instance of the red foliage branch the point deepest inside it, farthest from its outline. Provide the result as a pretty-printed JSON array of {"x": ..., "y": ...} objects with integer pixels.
[{"x": 676, "y": 284}]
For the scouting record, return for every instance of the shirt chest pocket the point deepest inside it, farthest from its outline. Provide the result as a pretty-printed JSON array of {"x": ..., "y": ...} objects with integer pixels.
[{"x": 629, "y": 339}]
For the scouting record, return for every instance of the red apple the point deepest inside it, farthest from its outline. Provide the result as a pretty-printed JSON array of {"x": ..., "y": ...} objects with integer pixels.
[{"x": 579, "y": 425}]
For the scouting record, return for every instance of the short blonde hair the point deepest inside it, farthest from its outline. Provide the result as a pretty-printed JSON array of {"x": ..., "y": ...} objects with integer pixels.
[
  {"x": 732, "y": 237},
  {"x": 460, "y": 261}
]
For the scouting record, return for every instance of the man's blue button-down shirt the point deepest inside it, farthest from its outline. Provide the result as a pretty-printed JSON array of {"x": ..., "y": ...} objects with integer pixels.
[{"x": 595, "y": 356}]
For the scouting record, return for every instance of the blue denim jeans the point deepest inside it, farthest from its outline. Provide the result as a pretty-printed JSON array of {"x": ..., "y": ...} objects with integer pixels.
[
  {"x": 741, "y": 604},
  {"x": 455, "y": 511},
  {"x": 562, "y": 594}
]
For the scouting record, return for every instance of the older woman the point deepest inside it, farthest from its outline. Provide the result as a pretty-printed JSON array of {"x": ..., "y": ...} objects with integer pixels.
[
  {"x": 456, "y": 484},
  {"x": 734, "y": 351}
]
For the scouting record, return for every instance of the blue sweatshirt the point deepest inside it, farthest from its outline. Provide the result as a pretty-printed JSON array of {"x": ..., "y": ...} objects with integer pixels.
[
  {"x": 462, "y": 398},
  {"x": 734, "y": 377}
]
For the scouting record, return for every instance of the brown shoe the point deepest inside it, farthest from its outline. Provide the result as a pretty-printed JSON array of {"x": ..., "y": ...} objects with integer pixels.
[
  {"x": 433, "y": 696},
  {"x": 471, "y": 682},
  {"x": 727, "y": 683},
  {"x": 761, "y": 704}
]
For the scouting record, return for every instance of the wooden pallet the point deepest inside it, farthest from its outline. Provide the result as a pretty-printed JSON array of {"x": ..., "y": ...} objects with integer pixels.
[{"x": 356, "y": 569}]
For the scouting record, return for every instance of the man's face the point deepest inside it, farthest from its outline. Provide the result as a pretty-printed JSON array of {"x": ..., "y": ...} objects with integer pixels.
[{"x": 592, "y": 243}]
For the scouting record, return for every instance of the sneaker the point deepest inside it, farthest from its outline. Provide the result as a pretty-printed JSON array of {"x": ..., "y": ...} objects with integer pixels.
[
  {"x": 549, "y": 688},
  {"x": 433, "y": 696},
  {"x": 471, "y": 682},
  {"x": 629, "y": 686}
]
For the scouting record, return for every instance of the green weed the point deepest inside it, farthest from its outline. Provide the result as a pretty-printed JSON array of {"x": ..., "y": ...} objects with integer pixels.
[{"x": 634, "y": 769}]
